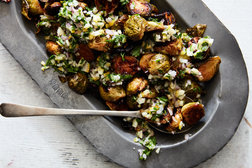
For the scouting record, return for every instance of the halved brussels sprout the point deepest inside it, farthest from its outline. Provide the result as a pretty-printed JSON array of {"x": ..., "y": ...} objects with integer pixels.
[
  {"x": 134, "y": 27},
  {"x": 197, "y": 31},
  {"x": 78, "y": 83},
  {"x": 31, "y": 7},
  {"x": 112, "y": 94},
  {"x": 209, "y": 68},
  {"x": 136, "y": 85},
  {"x": 153, "y": 26},
  {"x": 192, "y": 112},
  {"x": 99, "y": 44},
  {"x": 159, "y": 64},
  {"x": 132, "y": 103},
  {"x": 141, "y": 7},
  {"x": 172, "y": 48},
  {"x": 144, "y": 61}
]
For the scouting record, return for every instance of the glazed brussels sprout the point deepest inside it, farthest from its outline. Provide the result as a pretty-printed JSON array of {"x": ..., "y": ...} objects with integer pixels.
[
  {"x": 136, "y": 85},
  {"x": 159, "y": 64},
  {"x": 112, "y": 94},
  {"x": 78, "y": 83},
  {"x": 52, "y": 47},
  {"x": 197, "y": 31},
  {"x": 209, "y": 68},
  {"x": 141, "y": 7},
  {"x": 172, "y": 48},
  {"x": 192, "y": 112},
  {"x": 134, "y": 27}
]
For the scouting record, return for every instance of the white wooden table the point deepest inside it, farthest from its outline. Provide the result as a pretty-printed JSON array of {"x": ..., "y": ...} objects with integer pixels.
[{"x": 54, "y": 142}]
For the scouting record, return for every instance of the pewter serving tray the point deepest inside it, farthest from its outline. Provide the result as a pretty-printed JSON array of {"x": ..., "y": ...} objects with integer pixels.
[{"x": 225, "y": 101}]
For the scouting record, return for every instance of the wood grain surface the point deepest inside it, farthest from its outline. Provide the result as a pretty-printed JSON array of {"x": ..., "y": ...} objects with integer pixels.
[{"x": 42, "y": 142}]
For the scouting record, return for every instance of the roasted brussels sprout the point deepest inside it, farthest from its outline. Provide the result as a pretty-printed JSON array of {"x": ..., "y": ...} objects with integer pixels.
[
  {"x": 152, "y": 26},
  {"x": 197, "y": 31},
  {"x": 128, "y": 65},
  {"x": 191, "y": 88},
  {"x": 136, "y": 85},
  {"x": 175, "y": 122},
  {"x": 209, "y": 68},
  {"x": 149, "y": 93},
  {"x": 172, "y": 48},
  {"x": 112, "y": 94},
  {"x": 86, "y": 53},
  {"x": 108, "y": 6},
  {"x": 134, "y": 27},
  {"x": 141, "y": 7},
  {"x": 52, "y": 47},
  {"x": 117, "y": 106},
  {"x": 119, "y": 24},
  {"x": 159, "y": 64},
  {"x": 144, "y": 61},
  {"x": 53, "y": 8},
  {"x": 31, "y": 7},
  {"x": 99, "y": 44},
  {"x": 78, "y": 82},
  {"x": 192, "y": 112}
]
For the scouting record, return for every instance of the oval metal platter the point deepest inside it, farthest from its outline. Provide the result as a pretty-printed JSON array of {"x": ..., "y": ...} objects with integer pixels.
[{"x": 225, "y": 101}]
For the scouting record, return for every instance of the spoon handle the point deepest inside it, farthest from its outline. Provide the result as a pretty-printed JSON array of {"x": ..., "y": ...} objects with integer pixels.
[{"x": 16, "y": 110}]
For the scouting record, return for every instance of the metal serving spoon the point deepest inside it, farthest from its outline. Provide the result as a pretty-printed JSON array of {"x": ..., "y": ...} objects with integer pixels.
[{"x": 16, "y": 110}]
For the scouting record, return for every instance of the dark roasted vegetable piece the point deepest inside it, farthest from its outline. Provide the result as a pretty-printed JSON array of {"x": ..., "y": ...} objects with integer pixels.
[
  {"x": 53, "y": 9},
  {"x": 141, "y": 7},
  {"x": 31, "y": 7},
  {"x": 78, "y": 82},
  {"x": 86, "y": 53},
  {"x": 119, "y": 24},
  {"x": 134, "y": 27},
  {"x": 52, "y": 47},
  {"x": 99, "y": 44},
  {"x": 112, "y": 94},
  {"x": 192, "y": 112},
  {"x": 108, "y": 6},
  {"x": 167, "y": 16},
  {"x": 128, "y": 65},
  {"x": 131, "y": 102},
  {"x": 149, "y": 93},
  {"x": 172, "y": 48},
  {"x": 117, "y": 106},
  {"x": 209, "y": 68},
  {"x": 159, "y": 64},
  {"x": 197, "y": 31},
  {"x": 191, "y": 88},
  {"x": 136, "y": 85},
  {"x": 144, "y": 61}
]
